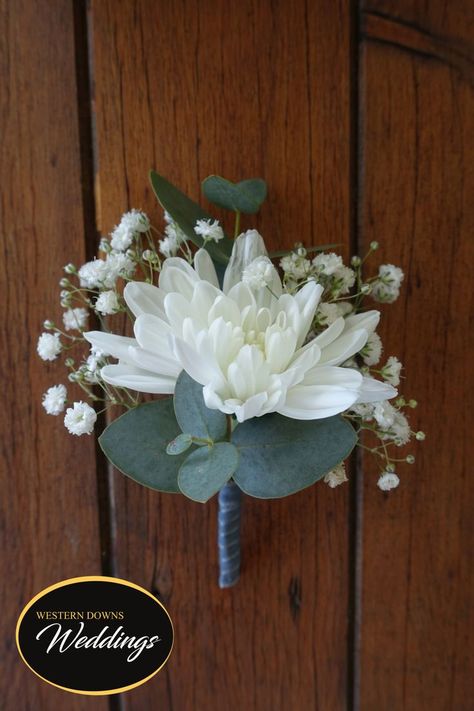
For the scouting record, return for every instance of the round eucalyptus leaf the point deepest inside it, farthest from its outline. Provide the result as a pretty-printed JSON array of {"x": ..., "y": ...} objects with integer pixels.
[
  {"x": 206, "y": 470},
  {"x": 192, "y": 414},
  {"x": 280, "y": 456},
  {"x": 136, "y": 444},
  {"x": 179, "y": 444},
  {"x": 246, "y": 196}
]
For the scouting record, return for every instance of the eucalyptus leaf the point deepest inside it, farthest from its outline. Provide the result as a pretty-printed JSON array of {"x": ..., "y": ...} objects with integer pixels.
[
  {"x": 185, "y": 212},
  {"x": 179, "y": 444},
  {"x": 280, "y": 456},
  {"x": 206, "y": 470},
  {"x": 136, "y": 444},
  {"x": 192, "y": 414},
  {"x": 246, "y": 196}
]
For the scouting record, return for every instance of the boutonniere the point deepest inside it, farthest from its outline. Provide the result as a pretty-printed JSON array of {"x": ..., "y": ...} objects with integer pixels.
[{"x": 262, "y": 370}]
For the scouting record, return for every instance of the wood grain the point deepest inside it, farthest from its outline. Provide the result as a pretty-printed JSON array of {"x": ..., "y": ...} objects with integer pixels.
[
  {"x": 48, "y": 507},
  {"x": 416, "y": 191},
  {"x": 240, "y": 89}
]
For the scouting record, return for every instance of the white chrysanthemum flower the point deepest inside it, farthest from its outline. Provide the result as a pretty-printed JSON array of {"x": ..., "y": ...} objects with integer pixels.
[
  {"x": 107, "y": 303},
  {"x": 49, "y": 346},
  {"x": 121, "y": 238},
  {"x": 388, "y": 480},
  {"x": 75, "y": 319},
  {"x": 259, "y": 273},
  {"x": 209, "y": 230},
  {"x": 135, "y": 221},
  {"x": 336, "y": 476},
  {"x": 372, "y": 350},
  {"x": 80, "y": 418},
  {"x": 386, "y": 288},
  {"x": 246, "y": 348},
  {"x": 391, "y": 371},
  {"x": 54, "y": 399}
]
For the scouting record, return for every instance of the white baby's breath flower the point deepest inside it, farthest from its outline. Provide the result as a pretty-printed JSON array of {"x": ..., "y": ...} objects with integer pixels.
[
  {"x": 175, "y": 236},
  {"x": 259, "y": 273},
  {"x": 399, "y": 429},
  {"x": 54, "y": 399},
  {"x": 209, "y": 230},
  {"x": 118, "y": 265},
  {"x": 102, "y": 273},
  {"x": 391, "y": 371},
  {"x": 327, "y": 313},
  {"x": 121, "y": 238},
  {"x": 386, "y": 288},
  {"x": 372, "y": 350},
  {"x": 92, "y": 274},
  {"x": 135, "y": 221},
  {"x": 364, "y": 410},
  {"x": 80, "y": 418},
  {"x": 328, "y": 263},
  {"x": 345, "y": 278},
  {"x": 49, "y": 346},
  {"x": 336, "y": 476},
  {"x": 107, "y": 303},
  {"x": 384, "y": 414},
  {"x": 75, "y": 318},
  {"x": 295, "y": 266},
  {"x": 388, "y": 480}
]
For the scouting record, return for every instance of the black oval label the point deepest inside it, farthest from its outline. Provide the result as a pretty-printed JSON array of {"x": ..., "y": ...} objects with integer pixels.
[{"x": 95, "y": 635}]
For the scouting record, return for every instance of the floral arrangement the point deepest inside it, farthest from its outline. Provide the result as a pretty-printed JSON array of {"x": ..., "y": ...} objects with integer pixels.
[{"x": 275, "y": 374}]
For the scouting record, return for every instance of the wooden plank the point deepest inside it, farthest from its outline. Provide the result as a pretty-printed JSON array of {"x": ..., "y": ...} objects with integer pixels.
[
  {"x": 416, "y": 199},
  {"x": 48, "y": 505},
  {"x": 241, "y": 89}
]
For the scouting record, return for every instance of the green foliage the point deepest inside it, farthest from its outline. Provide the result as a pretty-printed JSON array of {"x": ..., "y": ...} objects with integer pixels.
[
  {"x": 136, "y": 444},
  {"x": 246, "y": 196},
  {"x": 179, "y": 444},
  {"x": 206, "y": 470},
  {"x": 192, "y": 414},
  {"x": 280, "y": 456},
  {"x": 185, "y": 212}
]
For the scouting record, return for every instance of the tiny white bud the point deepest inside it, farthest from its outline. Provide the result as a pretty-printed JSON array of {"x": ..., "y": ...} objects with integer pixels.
[
  {"x": 374, "y": 245},
  {"x": 420, "y": 436},
  {"x": 365, "y": 289},
  {"x": 410, "y": 459},
  {"x": 356, "y": 261}
]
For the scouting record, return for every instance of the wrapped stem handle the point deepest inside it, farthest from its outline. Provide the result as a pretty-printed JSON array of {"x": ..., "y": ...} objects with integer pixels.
[{"x": 228, "y": 534}]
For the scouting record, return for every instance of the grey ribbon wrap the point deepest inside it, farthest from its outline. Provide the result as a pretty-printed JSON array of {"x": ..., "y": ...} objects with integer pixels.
[{"x": 228, "y": 534}]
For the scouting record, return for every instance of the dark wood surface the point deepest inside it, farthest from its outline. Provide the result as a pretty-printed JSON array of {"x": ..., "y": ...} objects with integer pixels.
[
  {"x": 416, "y": 187},
  {"x": 360, "y": 120},
  {"x": 48, "y": 504}
]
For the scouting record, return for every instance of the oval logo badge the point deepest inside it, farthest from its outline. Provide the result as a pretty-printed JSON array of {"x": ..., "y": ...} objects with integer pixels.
[{"x": 95, "y": 635}]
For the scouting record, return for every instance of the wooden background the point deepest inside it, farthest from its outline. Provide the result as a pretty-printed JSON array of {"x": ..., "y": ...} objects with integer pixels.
[{"x": 360, "y": 117}]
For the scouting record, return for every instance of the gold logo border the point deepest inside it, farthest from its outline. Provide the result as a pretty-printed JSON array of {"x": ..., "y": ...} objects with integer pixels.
[{"x": 81, "y": 579}]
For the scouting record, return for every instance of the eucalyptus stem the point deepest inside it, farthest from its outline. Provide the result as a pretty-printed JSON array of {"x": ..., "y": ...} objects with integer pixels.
[{"x": 237, "y": 224}]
